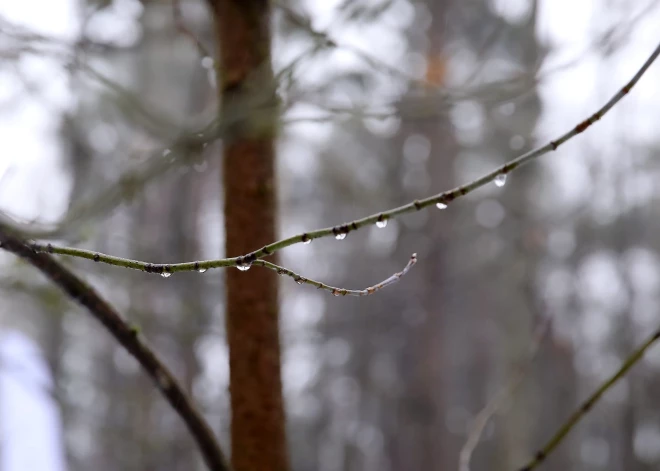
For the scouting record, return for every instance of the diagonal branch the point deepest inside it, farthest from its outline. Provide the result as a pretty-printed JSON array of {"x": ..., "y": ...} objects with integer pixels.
[
  {"x": 541, "y": 455},
  {"x": 128, "y": 336},
  {"x": 440, "y": 200},
  {"x": 505, "y": 394}
]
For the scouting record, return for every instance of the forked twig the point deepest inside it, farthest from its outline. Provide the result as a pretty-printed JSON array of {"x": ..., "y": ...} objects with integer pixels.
[{"x": 203, "y": 265}]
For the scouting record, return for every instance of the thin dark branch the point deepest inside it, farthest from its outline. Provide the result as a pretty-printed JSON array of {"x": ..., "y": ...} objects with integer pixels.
[
  {"x": 541, "y": 455},
  {"x": 129, "y": 337}
]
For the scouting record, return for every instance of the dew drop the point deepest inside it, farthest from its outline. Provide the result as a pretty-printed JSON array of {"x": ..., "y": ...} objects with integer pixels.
[
  {"x": 500, "y": 180},
  {"x": 244, "y": 266},
  {"x": 307, "y": 242},
  {"x": 381, "y": 224},
  {"x": 207, "y": 62},
  {"x": 300, "y": 281},
  {"x": 441, "y": 205},
  {"x": 336, "y": 292},
  {"x": 165, "y": 274},
  {"x": 340, "y": 236},
  {"x": 202, "y": 270}
]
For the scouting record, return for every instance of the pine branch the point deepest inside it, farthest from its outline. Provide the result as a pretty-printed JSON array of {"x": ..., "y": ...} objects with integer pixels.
[
  {"x": 541, "y": 455},
  {"x": 129, "y": 337}
]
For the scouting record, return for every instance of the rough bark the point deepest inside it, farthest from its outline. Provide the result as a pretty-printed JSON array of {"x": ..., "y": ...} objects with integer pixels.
[{"x": 250, "y": 207}]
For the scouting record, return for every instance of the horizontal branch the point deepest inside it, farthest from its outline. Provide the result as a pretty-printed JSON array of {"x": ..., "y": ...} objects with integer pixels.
[
  {"x": 587, "y": 405},
  {"x": 129, "y": 337}
]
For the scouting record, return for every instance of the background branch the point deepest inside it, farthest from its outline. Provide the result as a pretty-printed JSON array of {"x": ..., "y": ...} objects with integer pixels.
[{"x": 541, "y": 455}]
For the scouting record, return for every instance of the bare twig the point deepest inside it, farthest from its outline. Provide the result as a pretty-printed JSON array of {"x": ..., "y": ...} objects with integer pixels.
[
  {"x": 541, "y": 455},
  {"x": 129, "y": 337},
  {"x": 340, "y": 291},
  {"x": 181, "y": 26},
  {"x": 503, "y": 395}
]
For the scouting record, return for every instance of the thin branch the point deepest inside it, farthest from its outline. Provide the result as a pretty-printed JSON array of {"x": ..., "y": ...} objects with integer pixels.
[
  {"x": 183, "y": 29},
  {"x": 129, "y": 337},
  {"x": 340, "y": 291},
  {"x": 440, "y": 200},
  {"x": 587, "y": 405},
  {"x": 498, "y": 401}
]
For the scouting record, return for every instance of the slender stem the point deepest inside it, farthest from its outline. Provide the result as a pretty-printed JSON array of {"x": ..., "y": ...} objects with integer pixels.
[
  {"x": 503, "y": 395},
  {"x": 444, "y": 198},
  {"x": 340, "y": 291},
  {"x": 541, "y": 455},
  {"x": 129, "y": 337}
]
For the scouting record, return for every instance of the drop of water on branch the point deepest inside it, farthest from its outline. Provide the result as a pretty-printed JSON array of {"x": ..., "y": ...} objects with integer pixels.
[
  {"x": 300, "y": 281},
  {"x": 340, "y": 236},
  {"x": 381, "y": 224},
  {"x": 307, "y": 242},
  {"x": 207, "y": 62},
  {"x": 441, "y": 205},
  {"x": 165, "y": 274},
  {"x": 202, "y": 270},
  {"x": 244, "y": 266},
  {"x": 500, "y": 180},
  {"x": 336, "y": 292}
]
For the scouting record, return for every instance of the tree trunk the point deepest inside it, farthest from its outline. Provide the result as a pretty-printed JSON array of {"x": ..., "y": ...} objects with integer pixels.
[{"x": 257, "y": 428}]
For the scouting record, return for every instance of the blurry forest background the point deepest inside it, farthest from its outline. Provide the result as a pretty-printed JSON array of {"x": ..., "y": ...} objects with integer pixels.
[{"x": 382, "y": 102}]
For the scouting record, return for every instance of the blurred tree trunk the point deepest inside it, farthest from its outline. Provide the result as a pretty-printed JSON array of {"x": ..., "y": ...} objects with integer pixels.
[{"x": 257, "y": 429}]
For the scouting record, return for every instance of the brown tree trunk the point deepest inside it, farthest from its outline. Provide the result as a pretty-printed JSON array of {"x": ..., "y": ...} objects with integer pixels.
[{"x": 257, "y": 428}]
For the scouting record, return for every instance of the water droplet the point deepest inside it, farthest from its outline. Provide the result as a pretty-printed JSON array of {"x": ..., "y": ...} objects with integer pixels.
[
  {"x": 500, "y": 180},
  {"x": 202, "y": 270},
  {"x": 381, "y": 224},
  {"x": 244, "y": 266},
  {"x": 307, "y": 242},
  {"x": 341, "y": 236},
  {"x": 336, "y": 292},
  {"x": 281, "y": 271},
  {"x": 207, "y": 62},
  {"x": 300, "y": 280},
  {"x": 441, "y": 205},
  {"x": 166, "y": 152},
  {"x": 165, "y": 274}
]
